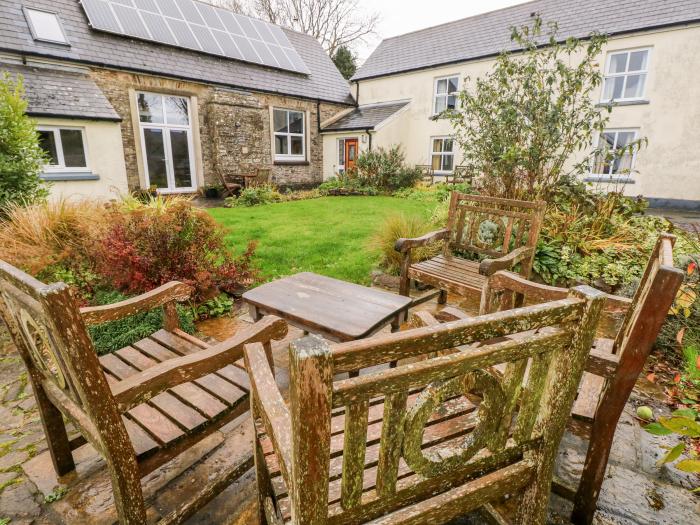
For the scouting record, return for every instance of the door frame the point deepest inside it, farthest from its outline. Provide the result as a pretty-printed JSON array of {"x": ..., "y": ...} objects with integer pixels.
[{"x": 348, "y": 141}]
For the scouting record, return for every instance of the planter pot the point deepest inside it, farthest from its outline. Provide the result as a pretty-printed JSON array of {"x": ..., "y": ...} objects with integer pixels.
[{"x": 212, "y": 193}]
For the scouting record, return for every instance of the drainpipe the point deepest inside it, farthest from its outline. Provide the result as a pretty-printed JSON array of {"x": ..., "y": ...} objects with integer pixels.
[
  {"x": 369, "y": 134},
  {"x": 318, "y": 116},
  {"x": 357, "y": 93}
]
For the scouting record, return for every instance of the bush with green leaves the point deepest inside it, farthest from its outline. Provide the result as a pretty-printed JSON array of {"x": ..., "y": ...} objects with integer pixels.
[
  {"x": 113, "y": 335},
  {"x": 385, "y": 169},
  {"x": 255, "y": 196},
  {"x": 684, "y": 424},
  {"x": 21, "y": 158},
  {"x": 345, "y": 184}
]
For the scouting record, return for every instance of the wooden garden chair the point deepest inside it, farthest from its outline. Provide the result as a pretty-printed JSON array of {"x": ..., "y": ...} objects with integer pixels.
[
  {"x": 423, "y": 442},
  {"x": 138, "y": 407},
  {"x": 427, "y": 173},
  {"x": 503, "y": 230},
  {"x": 616, "y": 359}
]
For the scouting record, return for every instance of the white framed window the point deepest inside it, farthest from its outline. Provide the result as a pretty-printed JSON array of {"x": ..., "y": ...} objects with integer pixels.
[
  {"x": 626, "y": 75},
  {"x": 165, "y": 124},
  {"x": 442, "y": 154},
  {"x": 45, "y": 26},
  {"x": 341, "y": 155},
  {"x": 613, "y": 156},
  {"x": 64, "y": 147},
  {"x": 290, "y": 134},
  {"x": 445, "y": 94}
]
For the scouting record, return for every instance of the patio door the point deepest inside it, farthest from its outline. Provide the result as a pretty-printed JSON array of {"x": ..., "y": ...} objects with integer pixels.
[
  {"x": 166, "y": 142},
  {"x": 350, "y": 153}
]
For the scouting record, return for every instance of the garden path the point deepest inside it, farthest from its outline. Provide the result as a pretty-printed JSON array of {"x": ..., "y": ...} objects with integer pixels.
[{"x": 635, "y": 491}]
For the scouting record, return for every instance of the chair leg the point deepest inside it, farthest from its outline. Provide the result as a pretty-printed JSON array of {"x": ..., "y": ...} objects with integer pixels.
[
  {"x": 263, "y": 482},
  {"x": 442, "y": 298},
  {"x": 55, "y": 432},
  {"x": 126, "y": 486}
]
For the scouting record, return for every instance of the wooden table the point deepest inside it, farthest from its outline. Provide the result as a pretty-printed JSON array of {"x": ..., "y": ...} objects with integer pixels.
[{"x": 334, "y": 309}]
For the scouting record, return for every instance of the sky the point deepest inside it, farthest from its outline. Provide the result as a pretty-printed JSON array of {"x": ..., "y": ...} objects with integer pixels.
[{"x": 403, "y": 16}]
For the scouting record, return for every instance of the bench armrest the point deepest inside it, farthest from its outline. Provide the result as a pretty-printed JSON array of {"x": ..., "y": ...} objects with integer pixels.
[
  {"x": 143, "y": 386},
  {"x": 268, "y": 405},
  {"x": 491, "y": 266},
  {"x": 172, "y": 291},
  {"x": 404, "y": 245}
]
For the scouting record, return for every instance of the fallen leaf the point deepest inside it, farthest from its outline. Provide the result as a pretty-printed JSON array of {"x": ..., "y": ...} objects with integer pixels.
[
  {"x": 677, "y": 378},
  {"x": 672, "y": 455},
  {"x": 680, "y": 335},
  {"x": 651, "y": 377}
]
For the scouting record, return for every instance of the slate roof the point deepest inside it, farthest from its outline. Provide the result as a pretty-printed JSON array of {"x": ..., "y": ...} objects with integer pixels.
[
  {"x": 60, "y": 93},
  {"x": 366, "y": 117},
  {"x": 97, "y": 48},
  {"x": 489, "y": 33}
]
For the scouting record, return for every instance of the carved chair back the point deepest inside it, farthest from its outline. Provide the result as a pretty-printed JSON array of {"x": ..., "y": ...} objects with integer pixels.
[
  {"x": 492, "y": 226},
  {"x": 517, "y": 426}
]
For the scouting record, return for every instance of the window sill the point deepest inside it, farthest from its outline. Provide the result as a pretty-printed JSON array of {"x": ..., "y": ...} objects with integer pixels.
[
  {"x": 63, "y": 176},
  {"x": 292, "y": 163},
  {"x": 618, "y": 103},
  {"x": 610, "y": 180}
]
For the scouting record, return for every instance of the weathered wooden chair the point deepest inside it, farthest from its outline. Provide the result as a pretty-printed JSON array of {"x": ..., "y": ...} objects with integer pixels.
[
  {"x": 459, "y": 174},
  {"x": 504, "y": 230},
  {"x": 427, "y": 173},
  {"x": 139, "y": 407},
  {"x": 626, "y": 334},
  {"x": 423, "y": 442}
]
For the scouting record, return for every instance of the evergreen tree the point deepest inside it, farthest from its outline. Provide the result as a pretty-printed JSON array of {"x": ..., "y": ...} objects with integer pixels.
[{"x": 345, "y": 62}]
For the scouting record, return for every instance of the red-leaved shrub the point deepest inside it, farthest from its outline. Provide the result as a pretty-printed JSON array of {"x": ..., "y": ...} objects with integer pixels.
[{"x": 147, "y": 246}]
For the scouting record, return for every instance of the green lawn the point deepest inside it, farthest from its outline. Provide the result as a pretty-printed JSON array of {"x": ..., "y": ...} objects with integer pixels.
[{"x": 329, "y": 236}]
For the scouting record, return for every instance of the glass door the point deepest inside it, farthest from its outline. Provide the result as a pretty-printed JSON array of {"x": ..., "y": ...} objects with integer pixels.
[{"x": 166, "y": 139}]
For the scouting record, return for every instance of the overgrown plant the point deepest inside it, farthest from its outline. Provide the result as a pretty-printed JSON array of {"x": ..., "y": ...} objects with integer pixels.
[
  {"x": 684, "y": 424},
  {"x": 255, "y": 196},
  {"x": 385, "y": 169},
  {"x": 520, "y": 125},
  {"x": 21, "y": 158}
]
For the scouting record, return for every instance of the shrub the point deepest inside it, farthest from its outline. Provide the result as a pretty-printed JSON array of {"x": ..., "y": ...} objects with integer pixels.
[
  {"x": 346, "y": 184},
  {"x": 439, "y": 192},
  {"x": 255, "y": 196},
  {"x": 113, "y": 335},
  {"x": 21, "y": 158},
  {"x": 386, "y": 169},
  {"x": 169, "y": 239},
  {"x": 395, "y": 227}
]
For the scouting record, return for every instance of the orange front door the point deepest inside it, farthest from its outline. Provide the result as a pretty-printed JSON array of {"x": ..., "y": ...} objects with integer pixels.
[{"x": 350, "y": 153}]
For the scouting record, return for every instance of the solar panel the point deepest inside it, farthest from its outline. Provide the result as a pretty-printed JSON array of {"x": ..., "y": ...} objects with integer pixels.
[{"x": 194, "y": 25}]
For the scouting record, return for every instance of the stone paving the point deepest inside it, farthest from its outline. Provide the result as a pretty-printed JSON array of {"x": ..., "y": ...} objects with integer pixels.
[{"x": 635, "y": 491}]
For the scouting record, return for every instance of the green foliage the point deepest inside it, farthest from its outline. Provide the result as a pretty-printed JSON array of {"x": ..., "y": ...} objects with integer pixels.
[
  {"x": 385, "y": 169},
  {"x": 21, "y": 158},
  {"x": 113, "y": 335},
  {"x": 345, "y": 61},
  {"x": 255, "y": 196},
  {"x": 345, "y": 184},
  {"x": 519, "y": 125},
  {"x": 439, "y": 192},
  {"x": 56, "y": 494},
  {"x": 683, "y": 423},
  {"x": 216, "y": 307}
]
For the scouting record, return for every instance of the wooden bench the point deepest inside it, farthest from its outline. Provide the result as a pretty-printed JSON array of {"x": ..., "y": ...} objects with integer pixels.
[
  {"x": 426, "y": 441},
  {"x": 140, "y": 406},
  {"x": 503, "y": 230},
  {"x": 625, "y": 337}
]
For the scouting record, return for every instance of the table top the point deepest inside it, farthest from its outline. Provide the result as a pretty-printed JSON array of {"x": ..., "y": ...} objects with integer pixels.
[{"x": 345, "y": 311}]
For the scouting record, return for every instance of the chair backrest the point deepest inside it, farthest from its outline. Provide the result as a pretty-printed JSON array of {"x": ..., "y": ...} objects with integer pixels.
[
  {"x": 520, "y": 448},
  {"x": 492, "y": 226},
  {"x": 49, "y": 332},
  {"x": 262, "y": 176}
]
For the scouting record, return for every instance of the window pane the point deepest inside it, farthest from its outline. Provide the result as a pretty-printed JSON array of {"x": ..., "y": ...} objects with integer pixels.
[
  {"x": 436, "y": 162},
  {"x": 46, "y": 26},
  {"x": 341, "y": 152},
  {"x": 47, "y": 142},
  {"x": 624, "y": 138},
  {"x": 618, "y": 84},
  {"x": 176, "y": 110},
  {"x": 618, "y": 63},
  {"x": 608, "y": 141},
  {"x": 280, "y": 121},
  {"x": 181, "y": 158},
  {"x": 442, "y": 86},
  {"x": 155, "y": 157},
  {"x": 447, "y": 162},
  {"x": 297, "y": 146},
  {"x": 451, "y": 102},
  {"x": 73, "y": 148},
  {"x": 638, "y": 60},
  {"x": 453, "y": 84},
  {"x": 635, "y": 86},
  {"x": 437, "y": 145},
  {"x": 296, "y": 122},
  {"x": 440, "y": 104},
  {"x": 447, "y": 145},
  {"x": 150, "y": 108},
  {"x": 281, "y": 146}
]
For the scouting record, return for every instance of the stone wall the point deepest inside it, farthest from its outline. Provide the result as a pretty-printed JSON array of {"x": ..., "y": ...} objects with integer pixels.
[{"x": 234, "y": 129}]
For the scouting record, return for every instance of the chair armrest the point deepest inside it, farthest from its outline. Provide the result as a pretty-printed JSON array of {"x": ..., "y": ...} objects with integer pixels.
[
  {"x": 149, "y": 383},
  {"x": 269, "y": 406},
  {"x": 404, "y": 245},
  {"x": 172, "y": 291},
  {"x": 491, "y": 266}
]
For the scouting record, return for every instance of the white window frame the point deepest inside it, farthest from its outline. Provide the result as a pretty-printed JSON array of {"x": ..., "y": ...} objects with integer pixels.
[
  {"x": 626, "y": 74},
  {"x": 281, "y": 157},
  {"x": 340, "y": 168},
  {"x": 165, "y": 127},
  {"x": 617, "y": 131},
  {"x": 442, "y": 154},
  {"x": 444, "y": 95},
  {"x": 35, "y": 33},
  {"x": 61, "y": 166}
]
